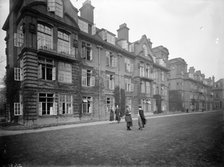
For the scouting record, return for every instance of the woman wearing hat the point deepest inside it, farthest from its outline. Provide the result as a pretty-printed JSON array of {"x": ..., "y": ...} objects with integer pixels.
[{"x": 128, "y": 118}]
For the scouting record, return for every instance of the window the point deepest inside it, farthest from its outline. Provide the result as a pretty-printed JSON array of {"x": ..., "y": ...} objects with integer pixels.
[
  {"x": 83, "y": 26},
  {"x": 162, "y": 76},
  {"x": 56, "y": 6},
  {"x": 110, "y": 103},
  {"x": 87, "y": 78},
  {"x": 148, "y": 88},
  {"x": 64, "y": 72},
  {"x": 142, "y": 70},
  {"x": 87, "y": 51},
  {"x": 17, "y": 109},
  {"x": 19, "y": 37},
  {"x": 145, "y": 50},
  {"x": 47, "y": 105},
  {"x": 63, "y": 42},
  {"x": 142, "y": 87},
  {"x": 65, "y": 104},
  {"x": 129, "y": 87},
  {"x": 44, "y": 37},
  {"x": 47, "y": 71},
  {"x": 128, "y": 65},
  {"x": 87, "y": 105},
  {"x": 111, "y": 60},
  {"x": 17, "y": 72},
  {"x": 110, "y": 81}
]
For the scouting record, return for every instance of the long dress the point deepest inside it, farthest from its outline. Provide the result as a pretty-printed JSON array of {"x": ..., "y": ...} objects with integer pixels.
[
  {"x": 117, "y": 113},
  {"x": 111, "y": 115}
]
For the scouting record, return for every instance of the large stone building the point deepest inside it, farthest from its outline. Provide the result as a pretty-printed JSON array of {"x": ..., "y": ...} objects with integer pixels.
[
  {"x": 61, "y": 67},
  {"x": 189, "y": 90}
]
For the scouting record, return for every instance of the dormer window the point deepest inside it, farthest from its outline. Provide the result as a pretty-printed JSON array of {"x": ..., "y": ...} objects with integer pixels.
[
  {"x": 145, "y": 51},
  {"x": 55, "y": 6}
]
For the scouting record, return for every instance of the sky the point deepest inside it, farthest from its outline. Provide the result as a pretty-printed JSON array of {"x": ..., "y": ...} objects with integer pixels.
[{"x": 190, "y": 29}]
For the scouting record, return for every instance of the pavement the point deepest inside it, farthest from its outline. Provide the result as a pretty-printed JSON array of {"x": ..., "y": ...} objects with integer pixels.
[{"x": 5, "y": 132}]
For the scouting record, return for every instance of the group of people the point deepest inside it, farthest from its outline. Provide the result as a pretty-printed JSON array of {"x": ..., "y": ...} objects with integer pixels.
[{"x": 128, "y": 117}]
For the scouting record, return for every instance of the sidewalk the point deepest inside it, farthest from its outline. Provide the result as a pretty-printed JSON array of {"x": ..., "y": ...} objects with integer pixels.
[{"x": 16, "y": 132}]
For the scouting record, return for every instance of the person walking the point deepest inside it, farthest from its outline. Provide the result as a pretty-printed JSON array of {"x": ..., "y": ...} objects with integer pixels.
[
  {"x": 141, "y": 118},
  {"x": 128, "y": 118},
  {"x": 111, "y": 114},
  {"x": 117, "y": 114}
]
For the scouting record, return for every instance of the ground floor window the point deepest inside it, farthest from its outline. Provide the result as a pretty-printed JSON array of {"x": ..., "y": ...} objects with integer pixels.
[
  {"x": 65, "y": 104},
  {"x": 87, "y": 105},
  {"x": 110, "y": 103},
  {"x": 47, "y": 104},
  {"x": 146, "y": 105}
]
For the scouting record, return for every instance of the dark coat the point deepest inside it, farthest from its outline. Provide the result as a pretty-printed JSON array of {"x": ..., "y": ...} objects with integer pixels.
[
  {"x": 111, "y": 115},
  {"x": 117, "y": 113},
  {"x": 142, "y": 116},
  {"x": 128, "y": 117}
]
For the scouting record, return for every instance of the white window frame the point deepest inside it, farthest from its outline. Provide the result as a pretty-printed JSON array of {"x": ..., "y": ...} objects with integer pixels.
[
  {"x": 17, "y": 74},
  {"x": 142, "y": 70},
  {"x": 53, "y": 108},
  {"x": 110, "y": 103},
  {"x": 87, "y": 52},
  {"x": 64, "y": 44},
  {"x": 87, "y": 104},
  {"x": 110, "y": 80},
  {"x": 64, "y": 72},
  {"x": 111, "y": 59},
  {"x": 45, "y": 63},
  {"x": 17, "y": 109},
  {"x": 44, "y": 37},
  {"x": 19, "y": 37},
  {"x": 65, "y": 104},
  {"x": 128, "y": 65},
  {"x": 88, "y": 80}
]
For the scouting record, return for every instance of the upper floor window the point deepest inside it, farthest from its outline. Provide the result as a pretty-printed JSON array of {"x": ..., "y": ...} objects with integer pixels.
[
  {"x": 47, "y": 71},
  {"x": 63, "y": 42},
  {"x": 142, "y": 87},
  {"x": 142, "y": 70},
  {"x": 110, "y": 81},
  {"x": 44, "y": 37},
  {"x": 87, "y": 51},
  {"x": 55, "y": 6},
  {"x": 128, "y": 65},
  {"x": 87, "y": 78},
  {"x": 19, "y": 37},
  {"x": 148, "y": 87},
  {"x": 64, "y": 72},
  {"x": 111, "y": 60},
  {"x": 83, "y": 26},
  {"x": 129, "y": 86}
]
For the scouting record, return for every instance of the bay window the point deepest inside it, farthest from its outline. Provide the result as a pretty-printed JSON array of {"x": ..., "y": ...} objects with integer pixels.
[
  {"x": 64, "y": 72},
  {"x": 44, "y": 37},
  {"x": 63, "y": 42}
]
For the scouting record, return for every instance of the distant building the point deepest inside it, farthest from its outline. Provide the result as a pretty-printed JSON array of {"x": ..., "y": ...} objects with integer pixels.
[
  {"x": 62, "y": 68},
  {"x": 218, "y": 91},
  {"x": 188, "y": 90}
]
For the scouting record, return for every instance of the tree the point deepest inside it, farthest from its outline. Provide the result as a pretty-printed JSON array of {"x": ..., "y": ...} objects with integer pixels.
[{"x": 119, "y": 96}]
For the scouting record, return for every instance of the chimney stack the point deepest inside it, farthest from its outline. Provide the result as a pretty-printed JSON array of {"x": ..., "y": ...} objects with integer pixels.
[
  {"x": 123, "y": 32},
  {"x": 87, "y": 11}
]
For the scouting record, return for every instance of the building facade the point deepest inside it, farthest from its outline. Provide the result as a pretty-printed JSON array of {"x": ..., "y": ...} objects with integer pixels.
[
  {"x": 189, "y": 90},
  {"x": 62, "y": 68},
  {"x": 218, "y": 91}
]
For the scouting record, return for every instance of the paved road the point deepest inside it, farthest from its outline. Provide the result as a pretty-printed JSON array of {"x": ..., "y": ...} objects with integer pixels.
[{"x": 181, "y": 140}]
